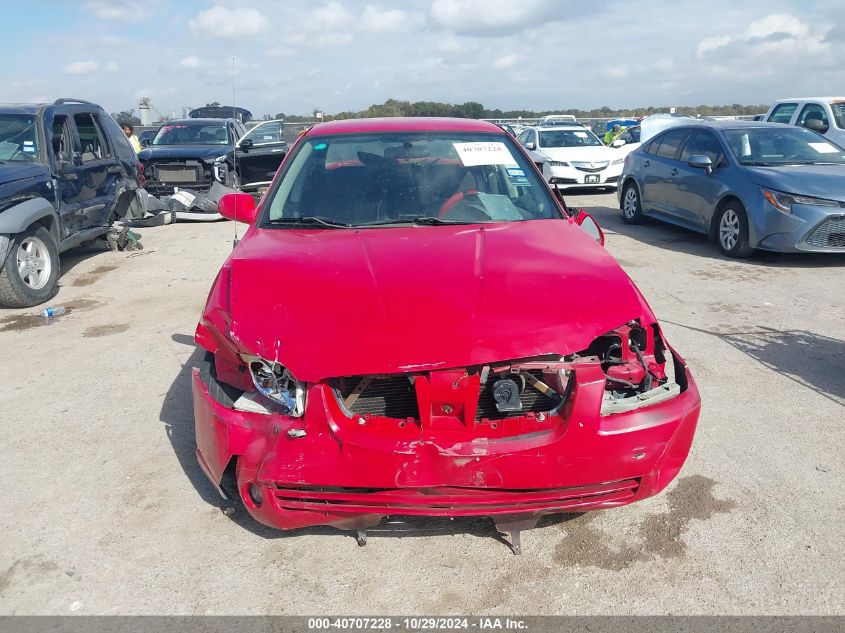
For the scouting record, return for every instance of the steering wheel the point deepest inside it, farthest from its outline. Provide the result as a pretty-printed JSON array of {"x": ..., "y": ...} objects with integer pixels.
[{"x": 454, "y": 199}]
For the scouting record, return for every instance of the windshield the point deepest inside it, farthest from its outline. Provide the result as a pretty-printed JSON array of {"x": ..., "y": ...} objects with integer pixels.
[
  {"x": 403, "y": 178},
  {"x": 270, "y": 132},
  {"x": 192, "y": 134},
  {"x": 568, "y": 138},
  {"x": 778, "y": 145},
  {"x": 18, "y": 138}
]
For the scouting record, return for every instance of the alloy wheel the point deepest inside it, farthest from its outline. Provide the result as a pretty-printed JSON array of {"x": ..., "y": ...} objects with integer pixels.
[
  {"x": 629, "y": 206},
  {"x": 729, "y": 229},
  {"x": 34, "y": 263}
]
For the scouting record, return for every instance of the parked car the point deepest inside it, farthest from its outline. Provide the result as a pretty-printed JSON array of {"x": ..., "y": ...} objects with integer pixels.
[
  {"x": 415, "y": 324},
  {"x": 825, "y": 115},
  {"x": 259, "y": 154},
  {"x": 747, "y": 185},
  {"x": 67, "y": 172},
  {"x": 193, "y": 154},
  {"x": 572, "y": 156},
  {"x": 557, "y": 119},
  {"x": 147, "y": 137}
]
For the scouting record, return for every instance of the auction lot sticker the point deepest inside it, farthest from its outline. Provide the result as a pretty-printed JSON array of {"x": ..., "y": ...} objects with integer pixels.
[{"x": 473, "y": 154}]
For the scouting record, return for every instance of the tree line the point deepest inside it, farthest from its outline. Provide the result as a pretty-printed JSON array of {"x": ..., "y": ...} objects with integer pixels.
[{"x": 475, "y": 110}]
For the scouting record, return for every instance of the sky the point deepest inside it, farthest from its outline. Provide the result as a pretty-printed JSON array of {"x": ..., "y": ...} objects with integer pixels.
[{"x": 295, "y": 56}]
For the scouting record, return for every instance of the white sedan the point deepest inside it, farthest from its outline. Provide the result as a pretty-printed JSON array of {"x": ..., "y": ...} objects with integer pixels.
[{"x": 572, "y": 156}]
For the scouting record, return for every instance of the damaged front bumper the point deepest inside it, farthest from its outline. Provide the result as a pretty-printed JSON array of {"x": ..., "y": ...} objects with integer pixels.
[{"x": 336, "y": 468}]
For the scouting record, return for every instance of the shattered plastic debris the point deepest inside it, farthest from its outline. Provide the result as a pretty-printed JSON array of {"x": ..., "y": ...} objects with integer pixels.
[{"x": 123, "y": 240}]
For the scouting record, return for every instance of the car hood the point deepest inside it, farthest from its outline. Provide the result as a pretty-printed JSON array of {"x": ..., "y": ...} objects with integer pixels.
[
  {"x": 820, "y": 181},
  {"x": 201, "y": 152},
  {"x": 11, "y": 171},
  {"x": 587, "y": 154},
  {"x": 351, "y": 302}
]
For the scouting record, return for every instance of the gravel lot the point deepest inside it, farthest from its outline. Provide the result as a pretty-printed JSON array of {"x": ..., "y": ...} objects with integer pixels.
[{"x": 107, "y": 512}]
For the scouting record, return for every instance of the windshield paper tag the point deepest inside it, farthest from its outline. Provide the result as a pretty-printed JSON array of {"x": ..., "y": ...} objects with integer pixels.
[
  {"x": 823, "y": 148},
  {"x": 473, "y": 154},
  {"x": 517, "y": 177},
  {"x": 581, "y": 134}
]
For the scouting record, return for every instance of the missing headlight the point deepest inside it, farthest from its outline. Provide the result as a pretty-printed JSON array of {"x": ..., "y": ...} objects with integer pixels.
[{"x": 276, "y": 383}]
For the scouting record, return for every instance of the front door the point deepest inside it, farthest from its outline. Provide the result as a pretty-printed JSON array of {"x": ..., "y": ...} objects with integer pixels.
[
  {"x": 100, "y": 171},
  {"x": 69, "y": 175}
]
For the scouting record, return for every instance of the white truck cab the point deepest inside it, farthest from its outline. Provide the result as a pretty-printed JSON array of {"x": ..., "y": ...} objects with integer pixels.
[{"x": 825, "y": 115}]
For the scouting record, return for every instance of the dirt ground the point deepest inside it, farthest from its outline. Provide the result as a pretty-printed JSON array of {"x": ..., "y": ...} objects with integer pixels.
[{"x": 105, "y": 510}]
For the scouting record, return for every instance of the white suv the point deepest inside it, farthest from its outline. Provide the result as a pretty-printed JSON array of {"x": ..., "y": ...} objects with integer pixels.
[
  {"x": 825, "y": 115},
  {"x": 572, "y": 156}
]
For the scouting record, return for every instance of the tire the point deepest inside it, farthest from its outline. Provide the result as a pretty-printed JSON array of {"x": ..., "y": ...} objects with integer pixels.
[
  {"x": 632, "y": 211},
  {"x": 732, "y": 230},
  {"x": 30, "y": 273}
]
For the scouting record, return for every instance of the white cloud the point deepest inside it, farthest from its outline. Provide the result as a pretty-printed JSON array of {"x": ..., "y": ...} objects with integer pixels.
[
  {"x": 89, "y": 66},
  {"x": 493, "y": 16},
  {"x": 191, "y": 61},
  {"x": 778, "y": 32},
  {"x": 106, "y": 10},
  {"x": 222, "y": 22},
  {"x": 330, "y": 17},
  {"x": 378, "y": 20},
  {"x": 507, "y": 61},
  {"x": 81, "y": 67}
]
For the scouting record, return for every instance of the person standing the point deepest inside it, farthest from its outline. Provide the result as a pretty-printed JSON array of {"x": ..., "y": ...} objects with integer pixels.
[{"x": 130, "y": 135}]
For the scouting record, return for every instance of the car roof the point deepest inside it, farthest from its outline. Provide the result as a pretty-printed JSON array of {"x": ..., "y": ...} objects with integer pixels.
[
  {"x": 574, "y": 127},
  {"x": 732, "y": 124},
  {"x": 188, "y": 121},
  {"x": 810, "y": 99},
  {"x": 405, "y": 124}
]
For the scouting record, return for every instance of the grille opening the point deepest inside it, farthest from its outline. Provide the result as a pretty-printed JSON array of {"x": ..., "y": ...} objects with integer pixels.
[
  {"x": 387, "y": 396},
  {"x": 533, "y": 400},
  {"x": 829, "y": 234}
]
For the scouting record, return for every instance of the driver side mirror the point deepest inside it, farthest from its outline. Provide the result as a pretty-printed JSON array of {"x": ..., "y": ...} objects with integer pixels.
[
  {"x": 245, "y": 144},
  {"x": 239, "y": 207},
  {"x": 701, "y": 162},
  {"x": 618, "y": 143},
  {"x": 145, "y": 142},
  {"x": 531, "y": 145},
  {"x": 816, "y": 125},
  {"x": 590, "y": 225}
]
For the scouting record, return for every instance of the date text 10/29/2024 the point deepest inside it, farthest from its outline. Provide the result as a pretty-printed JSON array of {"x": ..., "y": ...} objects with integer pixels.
[{"x": 416, "y": 624}]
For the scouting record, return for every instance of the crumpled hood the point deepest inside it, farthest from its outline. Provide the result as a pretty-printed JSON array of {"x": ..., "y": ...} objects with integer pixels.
[
  {"x": 820, "y": 181},
  {"x": 340, "y": 302},
  {"x": 201, "y": 152},
  {"x": 594, "y": 153},
  {"x": 12, "y": 171}
]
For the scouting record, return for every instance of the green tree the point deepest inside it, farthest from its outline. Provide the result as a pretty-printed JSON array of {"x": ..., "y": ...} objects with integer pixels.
[{"x": 126, "y": 116}]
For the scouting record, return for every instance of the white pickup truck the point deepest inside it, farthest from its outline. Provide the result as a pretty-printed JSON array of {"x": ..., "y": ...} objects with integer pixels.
[{"x": 825, "y": 115}]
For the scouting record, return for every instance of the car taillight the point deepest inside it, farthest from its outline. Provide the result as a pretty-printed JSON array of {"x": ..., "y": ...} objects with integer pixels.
[{"x": 142, "y": 178}]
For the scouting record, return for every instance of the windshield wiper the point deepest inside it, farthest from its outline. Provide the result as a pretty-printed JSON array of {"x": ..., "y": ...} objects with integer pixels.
[
  {"x": 310, "y": 220},
  {"x": 429, "y": 220}
]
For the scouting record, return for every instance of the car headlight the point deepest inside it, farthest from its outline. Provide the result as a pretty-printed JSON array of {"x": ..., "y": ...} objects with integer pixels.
[
  {"x": 638, "y": 367},
  {"x": 220, "y": 168},
  {"x": 784, "y": 201},
  {"x": 275, "y": 382},
  {"x": 618, "y": 161},
  {"x": 557, "y": 163}
]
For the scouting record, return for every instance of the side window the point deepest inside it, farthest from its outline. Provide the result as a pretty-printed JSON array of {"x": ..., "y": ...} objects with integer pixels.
[
  {"x": 670, "y": 142},
  {"x": 61, "y": 139},
  {"x": 701, "y": 143},
  {"x": 91, "y": 138},
  {"x": 523, "y": 138},
  {"x": 812, "y": 111},
  {"x": 533, "y": 137},
  {"x": 783, "y": 113}
]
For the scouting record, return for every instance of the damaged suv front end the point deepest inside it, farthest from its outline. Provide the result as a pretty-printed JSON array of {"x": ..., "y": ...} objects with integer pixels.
[{"x": 486, "y": 358}]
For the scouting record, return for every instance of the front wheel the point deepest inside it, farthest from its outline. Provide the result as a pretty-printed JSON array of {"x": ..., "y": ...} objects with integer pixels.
[
  {"x": 733, "y": 231},
  {"x": 30, "y": 273},
  {"x": 632, "y": 212}
]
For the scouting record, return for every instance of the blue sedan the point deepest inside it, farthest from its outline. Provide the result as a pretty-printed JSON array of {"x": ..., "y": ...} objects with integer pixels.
[{"x": 747, "y": 185}]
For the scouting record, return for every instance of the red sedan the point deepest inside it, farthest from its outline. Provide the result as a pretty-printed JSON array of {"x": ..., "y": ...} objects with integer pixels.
[{"x": 414, "y": 324}]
